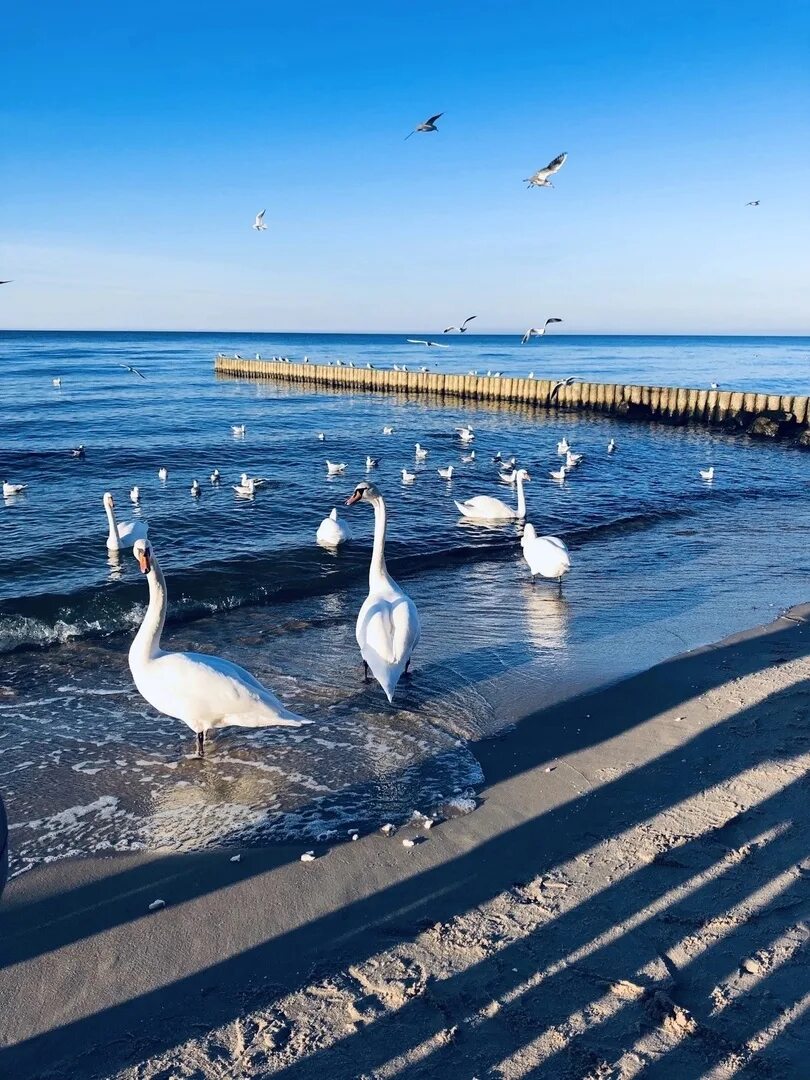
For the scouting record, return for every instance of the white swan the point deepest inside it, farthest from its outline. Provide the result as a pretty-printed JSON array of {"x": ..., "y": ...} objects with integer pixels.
[
  {"x": 546, "y": 555},
  {"x": 420, "y": 453},
  {"x": 125, "y": 534},
  {"x": 13, "y": 489},
  {"x": 486, "y": 508},
  {"x": 707, "y": 474},
  {"x": 334, "y": 469},
  {"x": 408, "y": 477},
  {"x": 388, "y": 624},
  {"x": 446, "y": 474},
  {"x": 135, "y": 495},
  {"x": 563, "y": 446},
  {"x": 203, "y": 691},
  {"x": 332, "y": 532}
]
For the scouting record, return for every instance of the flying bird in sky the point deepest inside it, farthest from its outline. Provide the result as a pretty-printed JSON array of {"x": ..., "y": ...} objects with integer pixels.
[
  {"x": 541, "y": 177},
  {"x": 461, "y": 329},
  {"x": 259, "y": 224},
  {"x": 429, "y": 125},
  {"x": 132, "y": 370},
  {"x": 430, "y": 344},
  {"x": 754, "y": 202},
  {"x": 6, "y": 282},
  {"x": 537, "y": 331}
]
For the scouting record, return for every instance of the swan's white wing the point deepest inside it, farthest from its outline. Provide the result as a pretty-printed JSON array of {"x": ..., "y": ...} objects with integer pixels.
[
  {"x": 207, "y": 691},
  {"x": 130, "y": 531}
]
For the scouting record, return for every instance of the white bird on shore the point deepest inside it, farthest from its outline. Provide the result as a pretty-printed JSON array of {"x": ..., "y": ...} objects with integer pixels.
[
  {"x": 13, "y": 489},
  {"x": 537, "y": 331},
  {"x": 238, "y": 429},
  {"x": 707, "y": 474},
  {"x": 572, "y": 459},
  {"x": 387, "y": 628},
  {"x": 446, "y": 474},
  {"x": 371, "y": 463},
  {"x": 125, "y": 534},
  {"x": 559, "y": 474},
  {"x": 332, "y": 532},
  {"x": 466, "y": 434},
  {"x": 196, "y": 490},
  {"x": 259, "y": 224},
  {"x": 462, "y": 329},
  {"x": 611, "y": 446},
  {"x": 334, "y": 469},
  {"x": 428, "y": 125},
  {"x": 468, "y": 459},
  {"x": 430, "y": 345},
  {"x": 546, "y": 555},
  {"x": 388, "y": 431},
  {"x": 408, "y": 477},
  {"x": 135, "y": 495},
  {"x": 486, "y": 508},
  {"x": 563, "y": 446},
  {"x": 214, "y": 477},
  {"x": 420, "y": 453},
  {"x": 541, "y": 177},
  {"x": 203, "y": 691}
]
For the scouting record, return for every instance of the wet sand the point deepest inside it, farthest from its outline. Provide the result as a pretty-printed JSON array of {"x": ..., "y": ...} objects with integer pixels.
[{"x": 628, "y": 898}]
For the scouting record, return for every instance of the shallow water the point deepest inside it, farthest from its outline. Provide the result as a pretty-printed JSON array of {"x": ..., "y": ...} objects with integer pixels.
[{"x": 661, "y": 561}]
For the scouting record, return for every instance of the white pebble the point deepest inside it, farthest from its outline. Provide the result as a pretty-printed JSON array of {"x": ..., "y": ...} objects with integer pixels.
[
  {"x": 428, "y": 823},
  {"x": 308, "y": 856},
  {"x": 355, "y": 835},
  {"x": 408, "y": 843},
  {"x": 156, "y": 905}
]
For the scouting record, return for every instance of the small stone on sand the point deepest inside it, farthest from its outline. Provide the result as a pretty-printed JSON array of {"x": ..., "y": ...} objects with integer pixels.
[
  {"x": 308, "y": 856},
  {"x": 156, "y": 905},
  {"x": 408, "y": 843},
  {"x": 388, "y": 829}
]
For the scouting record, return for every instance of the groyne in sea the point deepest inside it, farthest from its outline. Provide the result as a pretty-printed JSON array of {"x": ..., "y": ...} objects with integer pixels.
[{"x": 758, "y": 414}]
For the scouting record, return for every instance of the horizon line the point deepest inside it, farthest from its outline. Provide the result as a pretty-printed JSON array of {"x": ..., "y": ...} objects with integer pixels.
[{"x": 398, "y": 333}]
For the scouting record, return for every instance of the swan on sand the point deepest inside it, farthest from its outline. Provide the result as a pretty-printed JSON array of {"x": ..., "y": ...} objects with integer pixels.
[
  {"x": 203, "y": 691},
  {"x": 487, "y": 508},
  {"x": 125, "y": 534},
  {"x": 388, "y": 623}
]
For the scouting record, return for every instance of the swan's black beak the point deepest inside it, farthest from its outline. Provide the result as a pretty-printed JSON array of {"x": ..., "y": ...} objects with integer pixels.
[{"x": 355, "y": 497}]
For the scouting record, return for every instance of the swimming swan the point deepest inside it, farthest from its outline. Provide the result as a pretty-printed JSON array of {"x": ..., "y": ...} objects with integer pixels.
[
  {"x": 332, "y": 532},
  {"x": 203, "y": 691},
  {"x": 125, "y": 534},
  {"x": 388, "y": 624},
  {"x": 486, "y": 508}
]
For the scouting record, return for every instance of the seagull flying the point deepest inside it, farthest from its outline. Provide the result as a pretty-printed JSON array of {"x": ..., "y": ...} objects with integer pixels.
[
  {"x": 429, "y": 125},
  {"x": 132, "y": 370},
  {"x": 259, "y": 224},
  {"x": 7, "y": 282},
  {"x": 430, "y": 344},
  {"x": 558, "y": 386},
  {"x": 754, "y": 202},
  {"x": 541, "y": 177},
  {"x": 537, "y": 331},
  {"x": 461, "y": 329}
]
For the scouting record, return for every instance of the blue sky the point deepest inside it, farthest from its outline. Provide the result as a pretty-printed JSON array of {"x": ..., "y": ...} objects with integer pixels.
[{"x": 139, "y": 144}]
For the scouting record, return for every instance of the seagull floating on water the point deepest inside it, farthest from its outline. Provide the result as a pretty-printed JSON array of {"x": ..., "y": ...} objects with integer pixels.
[
  {"x": 238, "y": 429},
  {"x": 56, "y": 382},
  {"x": 536, "y": 331},
  {"x": 429, "y": 125},
  {"x": 468, "y": 459},
  {"x": 611, "y": 446},
  {"x": 163, "y": 473},
  {"x": 13, "y": 489},
  {"x": 259, "y": 224},
  {"x": 446, "y": 474},
  {"x": 388, "y": 431},
  {"x": 135, "y": 495},
  {"x": 132, "y": 370},
  {"x": 334, "y": 469},
  {"x": 462, "y": 329},
  {"x": 541, "y": 177},
  {"x": 371, "y": 463},
  {"x": 430, "y": 344},
  {"x": 707, "y": 474},
  {"x": 196, "y": 490},
  {"x": 572, "y": 460},
  {"x": 559, "y": 474},
  {"x": 420, "y": 453},
  {"x": 78, "y": 451},
  {"x": 214, "y": 477}
]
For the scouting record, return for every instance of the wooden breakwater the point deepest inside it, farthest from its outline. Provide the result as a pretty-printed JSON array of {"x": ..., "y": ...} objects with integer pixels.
[{"x": 763, "y": 414}]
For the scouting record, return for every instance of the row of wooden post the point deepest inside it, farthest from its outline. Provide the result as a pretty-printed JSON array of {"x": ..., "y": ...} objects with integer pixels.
[{"x": 673, "y": 402}]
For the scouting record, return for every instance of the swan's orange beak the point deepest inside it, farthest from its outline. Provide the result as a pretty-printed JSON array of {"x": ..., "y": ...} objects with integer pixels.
[
  {"x": 143, "y": 562},
  {"x": 356, "y": 497}
]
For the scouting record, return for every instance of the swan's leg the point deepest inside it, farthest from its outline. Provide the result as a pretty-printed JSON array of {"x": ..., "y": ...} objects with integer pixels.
[
  {"x": 365, "y": 673},
  {"x": 200, "y": 744}
]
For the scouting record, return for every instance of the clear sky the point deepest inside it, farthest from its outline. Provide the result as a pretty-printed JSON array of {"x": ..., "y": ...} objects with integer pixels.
[{"x": 139, "y": 141}]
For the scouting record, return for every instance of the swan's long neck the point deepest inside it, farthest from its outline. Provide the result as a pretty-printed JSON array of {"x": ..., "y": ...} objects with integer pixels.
[
  {"x": 112, "y": 540},
  {"x": 521, "y": 507},
  {"x": 377, "y": 573},
  {"x": 146, "y": 644}
]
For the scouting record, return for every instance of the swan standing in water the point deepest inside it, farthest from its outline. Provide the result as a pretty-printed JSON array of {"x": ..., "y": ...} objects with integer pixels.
[
  {"x": 388, "y": 624},
  {"x": 203, "y": 691},
  {"x": 332, "y": 532},
  {"x": 487, "y": 508},
  {"x": 125, "y": 534},
  {"x": 546, "y": 555}
]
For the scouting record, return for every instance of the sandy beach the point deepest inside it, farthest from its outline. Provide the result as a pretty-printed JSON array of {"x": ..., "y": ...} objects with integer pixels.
[{"x": 629, "y": 897}]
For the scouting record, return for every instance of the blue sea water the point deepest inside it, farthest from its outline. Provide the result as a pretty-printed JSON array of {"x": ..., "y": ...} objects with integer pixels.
[{"x": 662, "y": 561}]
